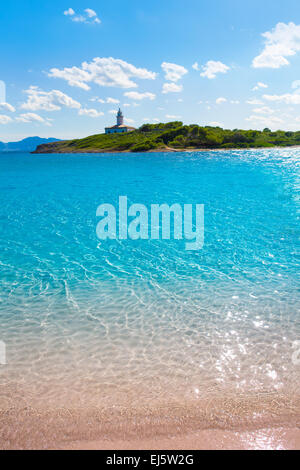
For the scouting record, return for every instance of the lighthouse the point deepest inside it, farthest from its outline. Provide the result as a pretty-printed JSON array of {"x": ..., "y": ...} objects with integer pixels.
[
  {"x": 120, "y": 127},
  {"x": 120, "y": 118}
]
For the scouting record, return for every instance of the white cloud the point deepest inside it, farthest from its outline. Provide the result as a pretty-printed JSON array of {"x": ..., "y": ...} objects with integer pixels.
[
  {"x": 173, "y": 72},
  {"x": 282, "y": 42},
  {"x": 90, "y": 112},
  {"x": 88, "y": 16},
  {"x": 103, "y": 71},
  {"x": 79, "y": 19},
  {"x": 212, "y": 68},
  {"x": 135, "y": 95},
  {"x": 215, "y": 124},
  {"x": 265, "y": 121},
  {"x": 32, "y": 117},
  {"x": 171, "y": 88},
  {"x": 263, "y": 110},
  {"x": 287, "y": 98},
  {"x": 48, "y": 101},
  {"x": 129, "y": 121},
  {"x": 5, "y": 119},
  {"x": 195, "y": 66},
  {"x": 259, "y": 85},
  {"x": 172, "y": 116},
  {"x": 29, "y": 117},
  {"x": 126, "y": 105},
  {"x": 90, "y": 13},
  {"x": 254, "y": 102},
  {"x": 113, "y": 111},
  {"x": 7, "y": 107},
  {"x": 69, "y": 12},
  {"x": 108, "y": 100},
  {"x": 112, "y": 100},
  {"x": 221, "y": 100},
  {"x": 234, "y": 102}
]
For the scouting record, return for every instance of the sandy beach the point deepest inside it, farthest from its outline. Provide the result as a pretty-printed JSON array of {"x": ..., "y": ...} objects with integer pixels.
[
  {"x": 43, "y": 437},
  {"x": 271, "y": 422},
  {"x": 213, "y": 439}
]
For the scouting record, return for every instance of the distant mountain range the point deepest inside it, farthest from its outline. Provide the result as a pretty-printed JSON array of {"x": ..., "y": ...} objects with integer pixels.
[{"x": 26, "y": 145}]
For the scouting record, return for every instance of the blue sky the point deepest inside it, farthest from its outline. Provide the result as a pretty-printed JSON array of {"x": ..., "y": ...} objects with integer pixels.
[{"x": 67, "y": 66}]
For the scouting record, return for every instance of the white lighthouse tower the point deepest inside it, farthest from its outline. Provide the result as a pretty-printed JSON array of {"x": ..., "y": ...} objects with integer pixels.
[
  {"x": 120, "y": 118},
  {"x": 120, "y": 127}
]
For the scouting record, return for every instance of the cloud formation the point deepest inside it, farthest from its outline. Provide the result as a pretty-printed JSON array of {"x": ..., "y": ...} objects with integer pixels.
[
  {"x": 259, "y": 85},
  {"x": 48, "y": 101},
  {"x": 263, "y": 110},
  {"x": 108, "y": 100},
  {"x": 7, "y": 107},
  {"x": 254, "y": 102},
  {"x": 221, "y": 100},
  {"x": 135, "y": 95},
  {"x": 265, "y": 121},
  {"x": 173, "y": 72},
  {"x": 172, "y": 116},
  {"x": 212, "y": 68},
  {"x": 215, "y": 124},
  {"x": 129, "y": 121},
  {"x": 32, "y": 117},
  {"x": 282, "y": 42},
  {"x": 287, "y": 98},
  {"x": 171, "y": 88},
  {"x": 90, "y": 112},
  {"x": 88, "y": 16},
  {"x": 103, "y": 71},
  {"x": 112, "y": 100},
  {"x": 5, "y": 119},
  {"x": 69, "y": 12}
]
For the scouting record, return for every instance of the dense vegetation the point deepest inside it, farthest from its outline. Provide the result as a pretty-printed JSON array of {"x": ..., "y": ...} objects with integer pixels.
[{"x": 176, "y": 136}]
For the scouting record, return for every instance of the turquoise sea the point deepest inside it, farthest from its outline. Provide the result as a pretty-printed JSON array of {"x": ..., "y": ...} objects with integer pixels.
[{"x": 131, "y": 328}]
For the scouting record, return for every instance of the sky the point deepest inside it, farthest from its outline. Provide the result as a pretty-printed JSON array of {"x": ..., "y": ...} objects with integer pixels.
[{"x": 66, "y": 66}]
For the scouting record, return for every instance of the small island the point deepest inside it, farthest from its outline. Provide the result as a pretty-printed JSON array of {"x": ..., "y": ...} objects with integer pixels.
[{"x": 171, "y": 137}]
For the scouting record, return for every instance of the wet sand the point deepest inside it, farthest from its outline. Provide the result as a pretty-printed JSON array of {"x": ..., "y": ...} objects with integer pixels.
[
  {"x": 263, "y": 424},
  {"x": 212, "y": 439}
]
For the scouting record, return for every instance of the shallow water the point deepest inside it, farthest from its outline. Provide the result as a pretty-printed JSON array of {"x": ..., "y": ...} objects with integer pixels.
[{"x": 146, "y": 325}]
